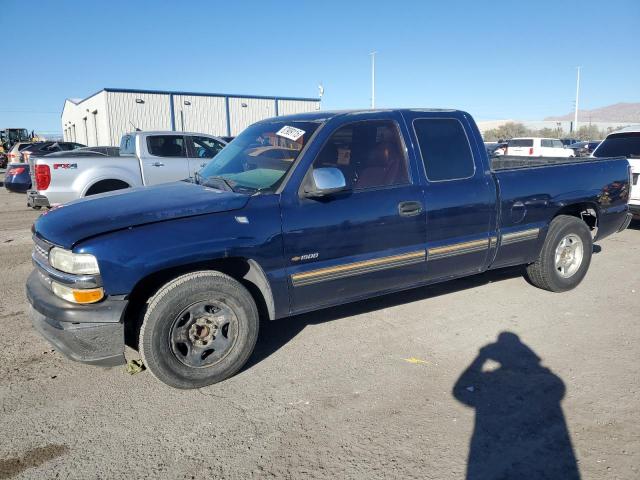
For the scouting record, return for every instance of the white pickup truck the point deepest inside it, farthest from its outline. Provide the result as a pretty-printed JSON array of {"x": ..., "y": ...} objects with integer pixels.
[
  {"x": 625, "y": 143},
  {"x": 144, "y": 158}
]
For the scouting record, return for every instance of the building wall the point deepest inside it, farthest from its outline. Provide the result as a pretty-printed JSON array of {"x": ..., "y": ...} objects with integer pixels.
[
  {"x": 290, "y": 107},
  {"x": 126, "y": 113},
  {"x": 245, "y": 111},
  {"x": 86, "y": 122},
  {"x": 117, "y": 113},
  {"x": 195, "y": 113}
]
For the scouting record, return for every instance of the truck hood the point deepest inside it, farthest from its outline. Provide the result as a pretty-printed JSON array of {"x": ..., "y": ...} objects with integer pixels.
[{"x": 71, "y": 223}]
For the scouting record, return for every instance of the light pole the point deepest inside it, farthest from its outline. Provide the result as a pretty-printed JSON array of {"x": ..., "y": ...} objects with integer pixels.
[
  {"x": 575, "y": 115},
  {"x": 373, "y": 79}
]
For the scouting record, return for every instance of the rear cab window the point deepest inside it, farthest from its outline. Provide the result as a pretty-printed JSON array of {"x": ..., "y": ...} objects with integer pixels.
[
  {"x": 445, "y": 149},
  {"x": 128, "y": 145}
]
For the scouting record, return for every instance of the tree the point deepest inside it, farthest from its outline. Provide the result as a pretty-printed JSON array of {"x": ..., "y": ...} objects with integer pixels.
[
  {"x": 505, "y": 132},
  {"x": 589, "y": 132}
]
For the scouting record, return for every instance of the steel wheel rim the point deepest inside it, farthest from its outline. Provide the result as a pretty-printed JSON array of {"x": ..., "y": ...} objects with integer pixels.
[
  {"x": 569, "y": 255},
  {"x": 204, "y": 333}
]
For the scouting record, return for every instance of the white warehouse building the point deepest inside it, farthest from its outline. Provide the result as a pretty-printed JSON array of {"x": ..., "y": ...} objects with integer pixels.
[{"x": 102, "y": 118}]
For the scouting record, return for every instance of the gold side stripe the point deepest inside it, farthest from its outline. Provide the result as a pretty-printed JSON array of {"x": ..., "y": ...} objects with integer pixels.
[
  {"x": 459, "y": 246},
  {"x": 377, "y": 262},
  {"x": 522, "y": 235}
]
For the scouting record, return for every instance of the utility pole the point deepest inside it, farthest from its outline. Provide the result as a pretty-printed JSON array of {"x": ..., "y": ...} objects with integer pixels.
[
  {"x": 575, "y": 115},
  {"x": 373, "y": 79}
]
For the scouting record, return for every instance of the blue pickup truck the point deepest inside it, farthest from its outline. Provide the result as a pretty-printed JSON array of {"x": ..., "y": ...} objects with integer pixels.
[{"x": 304, "y": 212}]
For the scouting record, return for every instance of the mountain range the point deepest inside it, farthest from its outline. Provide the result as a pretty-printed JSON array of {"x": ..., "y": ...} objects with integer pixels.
[{"x": 619, "y": 112}]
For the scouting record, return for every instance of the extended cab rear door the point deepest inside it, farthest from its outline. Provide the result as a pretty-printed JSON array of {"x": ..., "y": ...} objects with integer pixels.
[
  {"x": 460, "y": 196},
  {"x": 163, "y": 158}
]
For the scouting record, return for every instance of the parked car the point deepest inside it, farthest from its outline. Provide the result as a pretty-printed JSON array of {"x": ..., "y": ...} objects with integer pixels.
[
  {"x": 40, "y": 149},
  {"x": 364, "y": 203},
  {"x": 584, "y": 149},
  {"x": 17, "y": 178},
  {"x": 495, "y": 149},
  {"x": 625, "y": 143},
  {"x": 568, "y": 141},
  {"x": 538, "y": 147},
  {"x": 14, "y": 155},
  {"x": 144, "y": 158}
]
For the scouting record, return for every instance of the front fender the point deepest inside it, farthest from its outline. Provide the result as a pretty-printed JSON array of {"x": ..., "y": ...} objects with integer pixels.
[{"x": 128, "y": 256}]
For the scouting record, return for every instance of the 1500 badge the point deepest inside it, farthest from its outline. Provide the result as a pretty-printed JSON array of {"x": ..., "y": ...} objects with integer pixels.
[
  {"x": 308, "y": 256},
  {"x": 65, "y": 166}
]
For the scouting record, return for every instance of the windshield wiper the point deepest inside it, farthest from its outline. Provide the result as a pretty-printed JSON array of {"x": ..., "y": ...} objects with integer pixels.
[{"x": 217, "y": 182}]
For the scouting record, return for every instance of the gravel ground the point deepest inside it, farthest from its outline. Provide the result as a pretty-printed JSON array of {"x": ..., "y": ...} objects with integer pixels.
[{"x": 396, "y": 387}]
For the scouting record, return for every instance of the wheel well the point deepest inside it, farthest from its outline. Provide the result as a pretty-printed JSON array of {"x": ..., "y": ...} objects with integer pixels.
[
  {"x": 106, "y": 186},
  {"x": 245, "y": 271},
  {"x": 587, "y": 212}
]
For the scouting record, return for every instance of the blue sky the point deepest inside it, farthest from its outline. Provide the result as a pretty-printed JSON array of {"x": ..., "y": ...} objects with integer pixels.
[{"x": 495, "y": 59}]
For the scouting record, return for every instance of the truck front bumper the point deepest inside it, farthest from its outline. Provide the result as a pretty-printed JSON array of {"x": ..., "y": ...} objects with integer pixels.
[
  {"x": 35, "y": 200},
  {"x": 91, "y": 333}
]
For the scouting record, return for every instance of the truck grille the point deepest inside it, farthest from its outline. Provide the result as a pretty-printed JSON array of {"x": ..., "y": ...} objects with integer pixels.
[{"x": 41, "y": 249}]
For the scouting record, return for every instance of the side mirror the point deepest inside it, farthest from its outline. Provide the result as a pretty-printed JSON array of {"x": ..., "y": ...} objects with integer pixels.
[{"x": 326, "y": 181}]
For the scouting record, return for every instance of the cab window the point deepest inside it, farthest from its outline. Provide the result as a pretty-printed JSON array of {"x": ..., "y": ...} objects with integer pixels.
[
  {"x": 166, "y": 146},
  {"x": 370, "y": 154},
  {"x": 205, "y": 147}
]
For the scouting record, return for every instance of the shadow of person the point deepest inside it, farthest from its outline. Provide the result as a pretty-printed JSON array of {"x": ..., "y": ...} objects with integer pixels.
[{"x": 520, "y": 431}]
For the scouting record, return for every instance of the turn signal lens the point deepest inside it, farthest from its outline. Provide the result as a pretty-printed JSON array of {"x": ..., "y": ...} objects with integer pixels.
[{"x": 76, "y": 295}]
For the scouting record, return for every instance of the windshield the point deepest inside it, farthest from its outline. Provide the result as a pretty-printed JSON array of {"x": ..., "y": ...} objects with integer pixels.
[
  {"x": 259, "y": 157},
  {"x": 620, "y": 145}
]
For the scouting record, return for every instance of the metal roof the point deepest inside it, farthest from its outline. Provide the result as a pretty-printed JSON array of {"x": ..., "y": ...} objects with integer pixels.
[{"x": 194, "y": 94}]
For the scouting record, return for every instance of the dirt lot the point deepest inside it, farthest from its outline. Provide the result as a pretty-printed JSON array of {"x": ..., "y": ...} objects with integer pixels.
[{"x": 371, "y": 390}]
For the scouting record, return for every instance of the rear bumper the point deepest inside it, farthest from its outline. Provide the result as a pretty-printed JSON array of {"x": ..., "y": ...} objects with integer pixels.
[
  {"x": 91, "y": 334},
  {"x": 34, "y": 199}
]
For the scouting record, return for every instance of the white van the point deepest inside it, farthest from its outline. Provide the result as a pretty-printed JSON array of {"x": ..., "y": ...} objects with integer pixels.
[{"x": 538, "y": 147}]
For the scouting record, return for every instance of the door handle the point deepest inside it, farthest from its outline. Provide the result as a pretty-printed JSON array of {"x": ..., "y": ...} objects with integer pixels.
[
  {"x": 409, "y": 209},
  {"x": 157, "y": 164}
]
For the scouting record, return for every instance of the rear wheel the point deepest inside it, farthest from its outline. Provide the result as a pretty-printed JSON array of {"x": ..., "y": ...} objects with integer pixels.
[
  {"x": 565, "y": 256},
  {"x": 104, "y": 186},
  {"x": 198, "y": 329}
]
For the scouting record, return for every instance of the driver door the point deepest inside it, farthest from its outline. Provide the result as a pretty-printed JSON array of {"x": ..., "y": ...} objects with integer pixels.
[{"x": 367, "y": 239}]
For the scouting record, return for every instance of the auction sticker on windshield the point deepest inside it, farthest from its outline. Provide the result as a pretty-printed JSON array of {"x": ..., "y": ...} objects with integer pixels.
[{"x": 292, "y": 133}]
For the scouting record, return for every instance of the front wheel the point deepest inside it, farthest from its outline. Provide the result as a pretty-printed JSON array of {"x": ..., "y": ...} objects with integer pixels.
[
  {"x": 565, "y": 255},
  {"x": 198, "y": 329}
]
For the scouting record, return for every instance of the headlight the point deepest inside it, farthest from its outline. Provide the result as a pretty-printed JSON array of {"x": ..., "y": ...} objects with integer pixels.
[{"x": 78, "y": 263}]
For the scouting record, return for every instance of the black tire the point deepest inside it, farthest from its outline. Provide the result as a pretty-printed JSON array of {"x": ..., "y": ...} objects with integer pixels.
[
  {"x": 171, "y": 357},
  {"x": 543, "y": 273}
]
